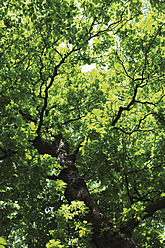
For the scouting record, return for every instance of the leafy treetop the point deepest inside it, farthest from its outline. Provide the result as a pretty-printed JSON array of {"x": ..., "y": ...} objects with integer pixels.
[{"x": 110, "y": 120}]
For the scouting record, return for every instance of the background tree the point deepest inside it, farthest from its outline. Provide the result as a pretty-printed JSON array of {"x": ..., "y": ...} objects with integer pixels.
[{"x": 82, "y": 154}]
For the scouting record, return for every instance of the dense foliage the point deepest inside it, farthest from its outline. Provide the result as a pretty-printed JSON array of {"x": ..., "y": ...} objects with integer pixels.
[{"x": 57, "y": 117}]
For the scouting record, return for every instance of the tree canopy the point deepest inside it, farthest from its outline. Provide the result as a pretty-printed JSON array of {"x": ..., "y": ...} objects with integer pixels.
[{"x": 82, "y": 152}]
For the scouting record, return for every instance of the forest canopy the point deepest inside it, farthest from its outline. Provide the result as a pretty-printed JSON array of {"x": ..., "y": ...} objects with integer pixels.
[{"x": 82, "y": 151}]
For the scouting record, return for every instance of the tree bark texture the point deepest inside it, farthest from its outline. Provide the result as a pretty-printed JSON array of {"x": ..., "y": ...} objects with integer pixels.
[{"x": 103, "y": 235}]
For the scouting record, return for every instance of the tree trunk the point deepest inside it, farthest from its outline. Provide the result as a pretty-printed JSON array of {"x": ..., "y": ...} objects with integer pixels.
[{"x": 103, "y": 236}]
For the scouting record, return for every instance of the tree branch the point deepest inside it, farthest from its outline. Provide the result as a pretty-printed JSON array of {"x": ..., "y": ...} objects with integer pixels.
[
  {"x": 121, "y": 109},
  {"x": 152, "y": 208},
  {"x": 46, "y": 100},
  {"x": 27, "y": 116},
  {"x": 148, "y": 212},
  {"x": 128, "y": 191}
]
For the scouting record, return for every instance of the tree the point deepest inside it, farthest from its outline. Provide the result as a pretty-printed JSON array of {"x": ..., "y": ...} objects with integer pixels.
[{"x": 82, "y": 154}]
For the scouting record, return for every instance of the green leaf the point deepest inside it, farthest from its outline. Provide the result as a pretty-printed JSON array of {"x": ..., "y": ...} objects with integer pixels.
[
  {"x": 2, "y": 25},
  {"x": 54, "y": 244},
  {"x": 3, "y": 242}
]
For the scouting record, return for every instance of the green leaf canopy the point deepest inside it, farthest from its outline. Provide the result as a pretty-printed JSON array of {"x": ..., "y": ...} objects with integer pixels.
[{"x": 82, "y": 153}]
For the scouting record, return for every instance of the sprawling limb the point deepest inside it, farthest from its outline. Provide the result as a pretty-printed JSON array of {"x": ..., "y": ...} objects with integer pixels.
[{"x": 148, "y": 212}]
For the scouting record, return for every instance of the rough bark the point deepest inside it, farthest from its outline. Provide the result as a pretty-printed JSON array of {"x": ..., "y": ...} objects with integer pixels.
[{"x": 103, "y": 236}]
